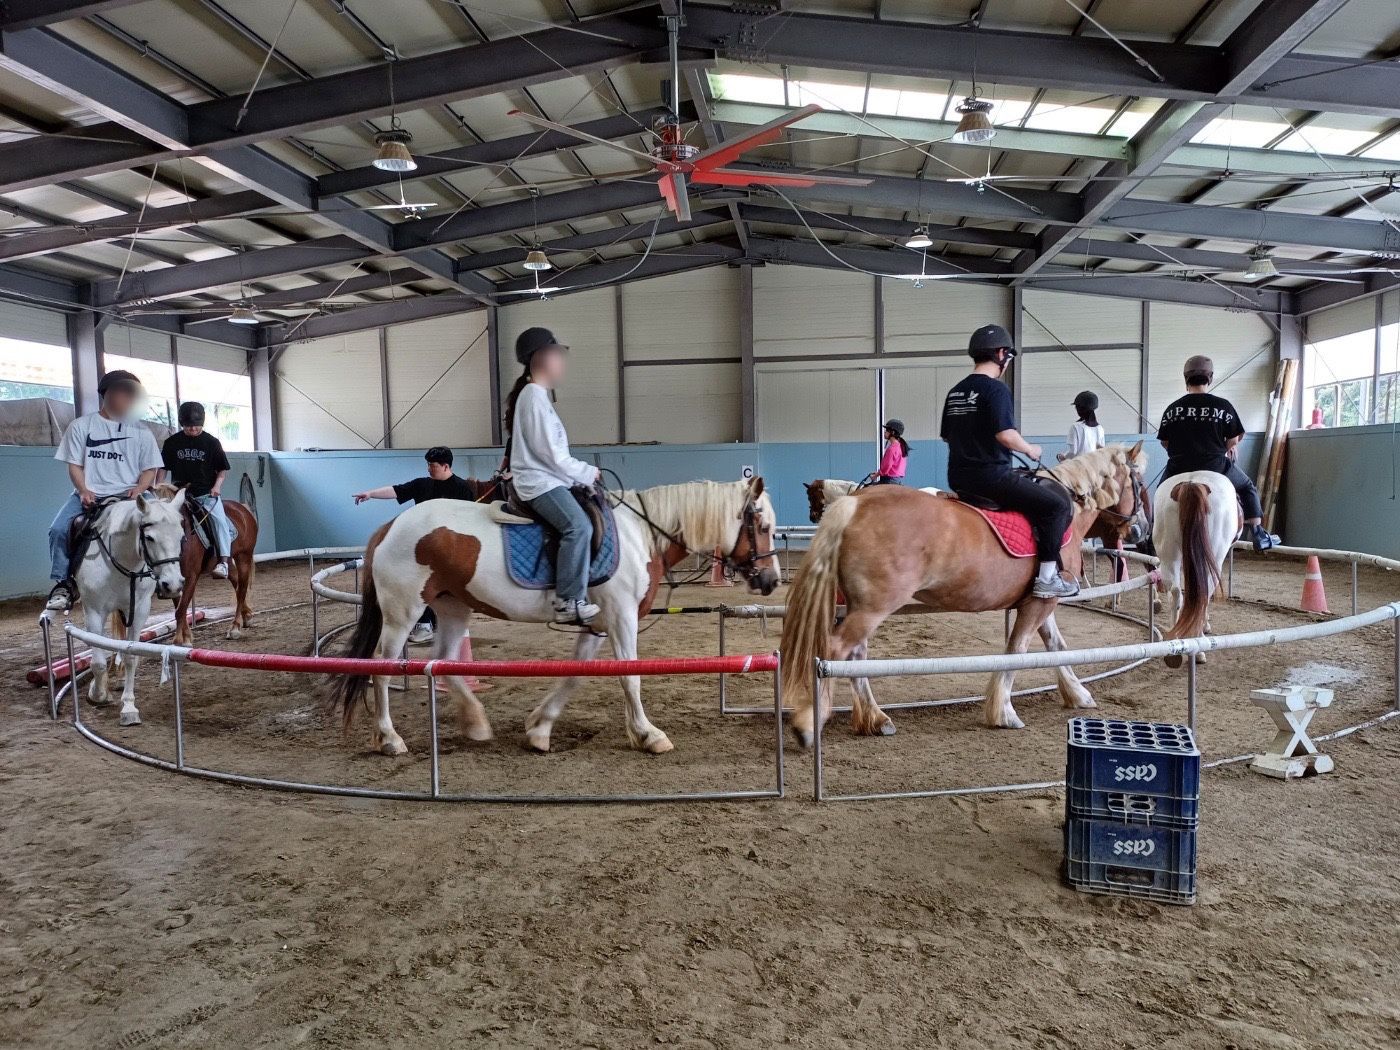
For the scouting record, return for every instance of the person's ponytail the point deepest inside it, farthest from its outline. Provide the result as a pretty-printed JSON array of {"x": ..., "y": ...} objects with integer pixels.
[
  {"x": 904, "y": 445},
  {"x": 513, "y": 397}
]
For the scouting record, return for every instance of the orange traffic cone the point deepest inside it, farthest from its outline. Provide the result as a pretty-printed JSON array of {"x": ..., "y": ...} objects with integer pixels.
[
  {"x": 1314, "y": 597},
  {"x": 717, "y": 578},
  {"x": 475, "y": 684}
]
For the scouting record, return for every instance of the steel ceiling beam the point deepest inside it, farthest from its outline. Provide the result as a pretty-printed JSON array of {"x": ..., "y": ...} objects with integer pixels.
[
  {"x": 375, "y": 315},
  {"x": 1137, "y": 251},
  {"x": 1322, "y": 296},
  {"x": 596, "y": 239},
  {"x": 26, "y": 14},
  {"x": 887, "y": 262},
  {"x": 377, "y": 280},
  {"x": 893, "y": 229},
  {"x": 625, "y": 271}
]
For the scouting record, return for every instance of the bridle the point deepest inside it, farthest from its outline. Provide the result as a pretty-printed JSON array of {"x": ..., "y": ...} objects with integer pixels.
[
  {"x": 749, "y": 567},
  {"x": 1116, "y": 517},
  {"x": 147, "y": 569}
]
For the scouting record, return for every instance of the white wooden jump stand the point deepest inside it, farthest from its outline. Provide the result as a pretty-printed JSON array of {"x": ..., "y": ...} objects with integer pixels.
[{"x": 1292, "y": 753}]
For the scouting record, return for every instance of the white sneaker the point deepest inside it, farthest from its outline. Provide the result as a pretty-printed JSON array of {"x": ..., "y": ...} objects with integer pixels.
[
  {"x": 61, "y": 598},
  {"x": 421, "y": 634},
  {"x": 1058, "y": 586},
  {"x": 220, "y": 571},
  {"x": 574, "y": 612}
]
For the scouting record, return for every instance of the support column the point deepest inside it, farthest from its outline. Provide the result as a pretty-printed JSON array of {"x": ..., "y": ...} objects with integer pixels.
[
  {"x": 1290, "y": 348},
  {"x": 1017, "y": 337},
  {"x": 85, "y": 342},
  {"x": 1145, "y": 365},
  {"x": 620, "y": 349},
  {"x": 386, "y": 415},
  {"x": 493, "y": 360},
  {"x": 175, "y": 368},
  {"x": 264, "y": 412},
  {"x": 747, "y": 430}
]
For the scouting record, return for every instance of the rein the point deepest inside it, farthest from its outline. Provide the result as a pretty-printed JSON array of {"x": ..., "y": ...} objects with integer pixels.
[{"x": 145, "y": 571}]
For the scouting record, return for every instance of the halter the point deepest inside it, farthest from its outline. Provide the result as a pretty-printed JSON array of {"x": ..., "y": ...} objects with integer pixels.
[
  {"x": 145, "y": 571},
  {"x": 749, "y": 567}
]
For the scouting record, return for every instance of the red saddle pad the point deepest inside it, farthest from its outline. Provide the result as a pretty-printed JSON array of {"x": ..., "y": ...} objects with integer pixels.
[{"x": 1013, "y": 529}]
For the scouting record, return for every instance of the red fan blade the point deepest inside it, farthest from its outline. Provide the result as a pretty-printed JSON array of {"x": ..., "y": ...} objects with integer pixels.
[
  {"x": 730, "y": 177},
  {"x": 674, "y": 192},
  {"x": 759, "y": 136}
]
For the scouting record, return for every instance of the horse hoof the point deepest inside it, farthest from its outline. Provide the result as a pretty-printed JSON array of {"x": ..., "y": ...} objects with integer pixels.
[
  {"x": 537, "y": 741},
  {"x": 804, "y": 737},
  {"x": 396, "y": 746},
  {"x": 478, "y": 733},
  {"x": 99, "y": 701},
  {"x": 1008, "y": 722},
  {"x": 1200, "y": 659},
  {"x": 886, "y": 729},
  {"x": 130, "y": 718},
  {"x": 1172, "y": 661},
  {"x": 235, "y": 634},
  {"x": 658, "y": 744}
]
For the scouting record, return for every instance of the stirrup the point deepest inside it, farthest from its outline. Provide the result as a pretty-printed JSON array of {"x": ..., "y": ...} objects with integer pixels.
[{"x": 62, "y": 597}]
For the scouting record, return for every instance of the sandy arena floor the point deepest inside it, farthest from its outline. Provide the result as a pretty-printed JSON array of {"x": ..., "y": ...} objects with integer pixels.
[{"x": 144, "y": 909}]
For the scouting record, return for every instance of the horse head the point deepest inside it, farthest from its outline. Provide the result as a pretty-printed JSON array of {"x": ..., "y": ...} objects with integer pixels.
[
  {"x": 753, "y": 554},
  {"x": 161, "y": 537},
  {"x": 816, "y": 499}
]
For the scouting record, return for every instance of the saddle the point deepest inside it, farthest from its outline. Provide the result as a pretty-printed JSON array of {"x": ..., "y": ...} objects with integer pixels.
[
  {"x": 83, "y": 528},
  {"x": 1011, "y": 528},
  {"x": 532, "y": 545},
  {"x": 197, "y": 523}
]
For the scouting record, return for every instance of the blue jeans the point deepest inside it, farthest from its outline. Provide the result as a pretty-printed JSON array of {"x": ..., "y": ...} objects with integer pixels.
[
  {"x": 559, "y": 508},
  {"x": 58, "y": 537},
  {"x": 224, "y": 532}
]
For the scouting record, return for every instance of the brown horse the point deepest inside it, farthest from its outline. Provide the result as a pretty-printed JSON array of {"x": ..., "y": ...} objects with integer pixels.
[
  {"x": 892, "y": 545},
  {"x": 196, "y": 560}
]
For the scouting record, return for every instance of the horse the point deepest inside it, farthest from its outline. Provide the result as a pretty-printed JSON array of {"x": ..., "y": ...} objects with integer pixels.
[
  {"x": 196, "y": 560},
  {"x": 133, "y": 558},
  {"x": 1197, "y": 517},
  {"x": 890, "y": 545},
  {"x": 823, "y": 492},
  {"x": 449, "y": 555}
]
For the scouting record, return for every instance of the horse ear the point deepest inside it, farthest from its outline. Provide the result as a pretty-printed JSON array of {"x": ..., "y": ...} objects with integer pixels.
[
  {"x": 178, "y": 500},
  {"x": 756, "y": 486},
  {"x": 1136, "y": 450},
  {"x": 143, "y": 503}
]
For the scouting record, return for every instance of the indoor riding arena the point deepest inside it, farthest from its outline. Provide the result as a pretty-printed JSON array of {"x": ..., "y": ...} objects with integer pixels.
[{"x": 584, "y": 523}]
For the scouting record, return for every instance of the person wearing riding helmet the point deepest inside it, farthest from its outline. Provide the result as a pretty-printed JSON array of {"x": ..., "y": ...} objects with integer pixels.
[
  {"x": 979, "y": 427},
  {"x": 892, "y": 461},
  {"x": 110, "y": 454},
  {"x": 196, "y": 462},
  {"x": 1201, "y": 431},
  {"x": 1085, "y": 434},
  {"x": 542, "y": 470}
]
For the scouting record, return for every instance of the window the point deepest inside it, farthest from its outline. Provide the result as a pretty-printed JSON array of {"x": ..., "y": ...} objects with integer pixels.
[
  {"x": 1337, "y": 376},
  {"x": 228, "y": 404},
  {"x": 35, "y": 370},
  {"x": 158, "y": 377}
]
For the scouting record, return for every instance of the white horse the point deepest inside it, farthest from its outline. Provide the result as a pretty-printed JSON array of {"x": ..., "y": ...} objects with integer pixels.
[
  {"x": 1197, "y": 517},
  {"x": 449, "y": 554},
  {"x": 134, "y": 556}
]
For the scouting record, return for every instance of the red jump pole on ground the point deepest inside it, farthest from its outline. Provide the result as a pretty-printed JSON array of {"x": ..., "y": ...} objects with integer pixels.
[{"x": 39, "y": 675}]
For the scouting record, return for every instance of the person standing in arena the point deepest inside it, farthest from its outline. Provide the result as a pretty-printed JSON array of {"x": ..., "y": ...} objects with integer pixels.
[
  {"x": 979, "y": 427},
  {"x": 110, "y": 454},
  {"x": 196, "y": 462},
  {"x": 441, "y": 483},
  {"x": 1201, "y": 431},
  {"x": 896, "y": 452},
  {"x": 1085, "y": 434}
]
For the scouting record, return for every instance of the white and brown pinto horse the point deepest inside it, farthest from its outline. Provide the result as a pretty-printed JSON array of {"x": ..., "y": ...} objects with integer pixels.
[
  {"x": 889, "y": 545},
  {"x": 1196, "y": 519},
  {"x": 449, "y": 554}
]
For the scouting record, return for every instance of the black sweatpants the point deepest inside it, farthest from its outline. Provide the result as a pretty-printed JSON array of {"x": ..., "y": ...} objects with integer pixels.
[
  {"x": 1045, "y": 503},
  {"x": 1245, "y": 488}
]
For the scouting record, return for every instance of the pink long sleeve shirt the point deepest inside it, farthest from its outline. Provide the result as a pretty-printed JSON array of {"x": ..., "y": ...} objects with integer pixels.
[{"x": 892, "y": 462}]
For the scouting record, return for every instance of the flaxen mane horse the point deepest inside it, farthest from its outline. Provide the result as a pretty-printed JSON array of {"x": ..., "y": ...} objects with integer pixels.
[{"x": 891, "y": 545}]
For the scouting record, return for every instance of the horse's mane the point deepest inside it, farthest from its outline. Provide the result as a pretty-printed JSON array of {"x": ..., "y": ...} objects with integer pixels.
[
  {"x": 705, "y": 513},
  {"x": 834, "y": 488},
  {"x": 1087, "y": 475}
]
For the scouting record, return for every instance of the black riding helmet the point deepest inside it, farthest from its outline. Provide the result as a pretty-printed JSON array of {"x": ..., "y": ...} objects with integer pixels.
[
  {"x": 895, "y": 427},
  {"x": 1086, "y": 401},
  {"x": 987, "y": 340},
  {"x": 532, "y": 341},
  {"x": 191, "y": 414}
]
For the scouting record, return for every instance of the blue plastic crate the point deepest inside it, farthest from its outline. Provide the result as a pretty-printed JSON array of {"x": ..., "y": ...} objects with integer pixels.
[
  {"x": 1139, "y": 772},
  {"x": 1133, "y": 860}
]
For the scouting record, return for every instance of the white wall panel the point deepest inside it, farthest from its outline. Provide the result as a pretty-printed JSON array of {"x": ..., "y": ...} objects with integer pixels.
[
  {"x": 141, "y": 343},
  {"x": 455, "y": 405},
  {"x": 1241, "y": 343},
  {"x": 1347, "y": 319},
  {"x": 693, "y": 314},
  {"x": 1051, "y": 380},
  {"x": 587, "y": 323},
  {"x": 199, "y": 353},
  {"x": 940, "y": 315},
  {"x": 1064, "y": 317},
  {"x": 328, "y": 392},
  {"x": 32, "y": 325},
  {"x": 807, "y": 404},
  {"x": 678, "y": 404},
  {"x": 802, "y": 310},
  {"x": 915, "y": 395}
]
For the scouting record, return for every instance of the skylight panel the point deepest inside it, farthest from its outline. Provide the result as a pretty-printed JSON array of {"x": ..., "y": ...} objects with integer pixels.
[
  {"x": 1325, "y": 140},
  {"x": 1230, "y": 131},
  {"x": 738, "y": 87},
  {"x": 850, "y": 97}
]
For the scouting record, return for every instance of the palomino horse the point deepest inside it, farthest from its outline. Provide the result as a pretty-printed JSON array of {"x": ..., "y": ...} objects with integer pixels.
[
  {"x": 449, "y": 555},
  {"x": 196, "y": 560},
  {"x": 134, "y": 557},
  {"x": 890, "y": 545},
  {"x": 823, "y": 492},
  {"x": 1197, "y": 517}
]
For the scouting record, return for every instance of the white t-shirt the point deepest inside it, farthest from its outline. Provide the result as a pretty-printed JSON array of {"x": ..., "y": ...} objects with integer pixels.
[
  {"x": 1083, "y": 438},
  {"x": 539, "y": 451},
  {"x": 112, "y": 453}
]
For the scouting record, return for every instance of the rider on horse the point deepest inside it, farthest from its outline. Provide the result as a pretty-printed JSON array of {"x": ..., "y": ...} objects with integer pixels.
[
  {"x": 1200, "y": 432},
  {"x": 979, "y": 427},
  {"x": 111, "y": 455},
  {"x": 196, "y": 462}
]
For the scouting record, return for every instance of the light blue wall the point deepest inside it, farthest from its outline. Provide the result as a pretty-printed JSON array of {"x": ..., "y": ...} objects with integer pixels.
[{"x": 1343, "y": 489}]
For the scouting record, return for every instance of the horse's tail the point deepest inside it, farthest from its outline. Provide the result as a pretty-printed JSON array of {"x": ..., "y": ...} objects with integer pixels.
[
  {"x": 349, "y": 690},
  {"x": 1200, "y": 575},
  {"x": 811, "y": 604}
]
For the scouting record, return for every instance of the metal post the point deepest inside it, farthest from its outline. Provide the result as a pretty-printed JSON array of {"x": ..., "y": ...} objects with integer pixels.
[
  {"x": 360, "y": 607},
  {"x": 1151, "y": 590},
  {"x": 1006, "y": 626},
  {"x": 72, "y": 677},
  {"x": 723, "y": 679},
  {"x": 778, "y": 724},
  {"x": 816, "y": 730},
  {"x": 179, "y": 717},
  {"x": 1353, "y": 588},
  {"x": 315, "y": 622},
  {"x": 435, "y": 787},
  {"x": 1230, "y": 580},
  {"x": 1191, "y": 691},
  {"x": 1397, "y": 665},
  {"x": 48, "y": 666}
]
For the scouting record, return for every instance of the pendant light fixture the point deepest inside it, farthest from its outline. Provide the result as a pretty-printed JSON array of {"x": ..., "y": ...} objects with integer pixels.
[
  {"x": 920, "y": 239},
  {"x": 535, "y": 259},
  {"x": 974, "y": 125},
  {"x": 242, "y": 315},
  {"x": 393, "y": 153},
  {"x": 1261, "y": 265}
]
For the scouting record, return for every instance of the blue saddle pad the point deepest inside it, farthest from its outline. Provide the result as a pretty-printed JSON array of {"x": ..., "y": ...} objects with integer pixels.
[{"x": 529, "y": 561}]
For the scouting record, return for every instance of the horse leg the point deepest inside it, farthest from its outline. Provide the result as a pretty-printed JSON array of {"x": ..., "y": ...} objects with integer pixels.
[
  {"x": 541, "y": 721},
  {"x": 393, "y": 636},
  {"x": 97, "y": 689},
  {"x": 129, "y": 715},
  {"x": 851, "y": 642},
  {"x": 1072, "y": 690},
  {"x": 447, "y": 641},
  {"x": 245, "y": 567},
  {"x": 998, "y": 713},
  {"x": 183, "y": 632},
  {"x": 644, "y": 736}
]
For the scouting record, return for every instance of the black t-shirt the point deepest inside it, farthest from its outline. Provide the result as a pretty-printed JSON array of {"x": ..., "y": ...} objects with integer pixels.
[
  {"x": 1196, "y": 428},
  {"x": 194, "y": 462},
  {"x": 420, "y": 490},
  {"x": 976, "y": 410}
]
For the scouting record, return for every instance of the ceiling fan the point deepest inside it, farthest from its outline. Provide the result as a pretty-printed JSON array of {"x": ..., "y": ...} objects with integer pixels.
[{"x": 679, "y": 163}]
